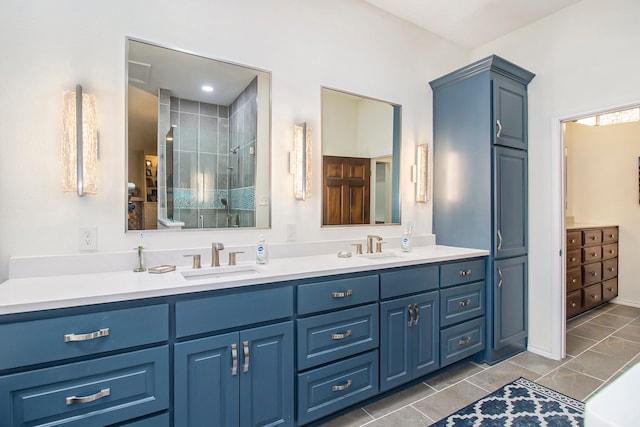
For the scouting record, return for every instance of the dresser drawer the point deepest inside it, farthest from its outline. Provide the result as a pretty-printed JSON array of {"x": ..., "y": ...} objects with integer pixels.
[
  {"x": 574, "y": 239},
  {"x": 333, "y": 387},
  {"x": 609, "y": 289},
  {"x": 461, "y": 303},
  {"x": 205, "y": 315},
  {"x": 574, "y": 279},
  {"x": 408, "y": 281},
  {"x": 574, "y": 303},
  {"x": 592, "y": 295},
  {"x": 466, "y": 271},
  {"x": 66, "y": 337},
  {"x": 101, "y": 392},
  {"x": 336, "y": 294},
  {"x": 591, "y": 273},
  {"x": 460, "y": 341},
  {"x": 574, "y": 258},
  {"x": 610, "y": 235},
  {"x": 591, "y": 237},
  {"x": 609, "y": 268},
  {"x": 591, "y": 254},
  {"x": 609, "y": 251},
  {"x": 337, "y": 335}
]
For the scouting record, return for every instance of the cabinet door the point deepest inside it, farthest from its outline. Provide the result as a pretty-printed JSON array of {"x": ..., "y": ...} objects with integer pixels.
[
  {"x": 206, "y": 389},
  {"x": 266, "y": 375},
  {"x": 425, "y": 330},
  {"x": 510, "y": 202},
  {"x": 510, "y": 112},
  {"x": 395, "y": 342},
  {"x": 509, "y": 301}
]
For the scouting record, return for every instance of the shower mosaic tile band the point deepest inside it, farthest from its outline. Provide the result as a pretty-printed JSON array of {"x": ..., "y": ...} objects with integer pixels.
[{"x": 190, "y": 198}]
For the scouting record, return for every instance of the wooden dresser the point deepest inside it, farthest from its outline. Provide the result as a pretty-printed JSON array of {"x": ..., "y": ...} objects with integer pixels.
[{"x": 592, "y": 267}]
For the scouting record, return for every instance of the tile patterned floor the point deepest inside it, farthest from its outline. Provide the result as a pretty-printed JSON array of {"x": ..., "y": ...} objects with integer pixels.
[{"x": 601, "y": 344}]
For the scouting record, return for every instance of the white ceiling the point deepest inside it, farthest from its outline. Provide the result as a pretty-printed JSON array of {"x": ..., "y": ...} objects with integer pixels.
[{"x": 471, "y": 23}]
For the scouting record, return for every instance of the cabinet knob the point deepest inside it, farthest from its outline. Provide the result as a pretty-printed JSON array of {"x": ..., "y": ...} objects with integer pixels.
[
  {"x": 572, "y": 259},
  {"x": 610, "y": 289},
  {"x": 594, "y": 274},
  {"x": 612, "y": 251},
  {"x": 594, "y": 297},
  {"x": 574, "y": 280},
  {"x": 573, "y": 304},
  {"x": 573, "y": 240}
]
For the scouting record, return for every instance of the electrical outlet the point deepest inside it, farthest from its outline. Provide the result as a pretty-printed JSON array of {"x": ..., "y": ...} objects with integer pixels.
[
  {"x": 88, "y": 239},
  {"x": 292, "y": 233}
]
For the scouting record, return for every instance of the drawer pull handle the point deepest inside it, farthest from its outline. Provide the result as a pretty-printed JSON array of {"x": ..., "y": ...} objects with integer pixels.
[
  {"x": 499, "y": 241},
  {"x": 417, "y": 310},
  {"x": 499, "y": 277},
  {"x": 86, "y": 399},
  {"x": 234, "y": 358},
  {"x": 342, "y": 294},
  {"x": 411, "y": 314},
  {"x": 342, "y": 387},
  {"x": 465, "y": 341},
  {"x": 245, "y": 349},
  {"x": 464, "y": 303},
  {"x": 499, "y": 125},
  {"x": 86, "y": 337},
  {"x": 465, "y": 273},
  {"x": 342, "y": 336}
]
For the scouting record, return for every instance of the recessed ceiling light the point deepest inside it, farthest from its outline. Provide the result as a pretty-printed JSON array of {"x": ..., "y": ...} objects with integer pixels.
[{"x": 207, "y": 88}]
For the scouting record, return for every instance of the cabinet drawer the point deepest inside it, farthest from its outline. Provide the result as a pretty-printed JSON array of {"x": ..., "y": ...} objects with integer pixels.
[
  {"x": 60, "y": 338},
  {"x": 574, "y": 239},
  {"x": 609, "y": 268},
  {"x": 574, "y": 258},
  {"x": 592, "y": 295},
  {"x": 574, "y": 303},
  {"x": 591, "y": 254},
  {"x": 574, "y": 279},
  {"x": 462, "y": 272},
  {"x": 230, "y": 311},
  {"x": 97, "y": 392},
  {"x": 461, "y": 303},
  {"x": 460, "y": 341},
  {"x": 591, "y": 237},
  {"x": 336, "y": 335},
  {"x": 336, "y": 294},
  {"x": 609, "y": 289},
  {"x": 610, "y": 235},
  {"x": 609, "y": 251},
  {"x": 161, "y": 420},
  {"x": 408, "y": 281},
  {"x": 328, "y": 389},
  {"x": 591, "y": 273}
]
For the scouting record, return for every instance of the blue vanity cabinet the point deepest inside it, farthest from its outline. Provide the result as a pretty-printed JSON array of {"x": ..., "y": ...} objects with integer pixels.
[
  {"x": 480, "y": 176},
  {"x": 409, "y": 325},
  {"x": 510, "y": 296}
]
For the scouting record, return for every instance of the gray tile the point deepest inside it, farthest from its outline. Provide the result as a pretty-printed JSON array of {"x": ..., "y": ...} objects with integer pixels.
[
  {"x": 618, "y": 348},
  {"x": 625, "y": 310},
  {"x": 610, "y": 320},
  {"x": 398, "y": 400},
  {"x": 536, "y": 363},
  {"x": 449, "y": 400},
  {"x": 407, "y": 416},
  {"x": 453, "y": 375},
  {"x": 576, "y": 345},
  {"x": 629, "y": 332},
  {"x": 501, "y": 374},
  {"x": 570, "y": 382},
  {"x": 354, "y": 418},
  {"x": 595, "y": 364},
  {"x": 592, "y": 331}
]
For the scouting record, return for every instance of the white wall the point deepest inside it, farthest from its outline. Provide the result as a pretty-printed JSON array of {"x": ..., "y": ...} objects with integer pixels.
[
  {"x": 47, "y": 47},
  {"x": 602, "y": 188},
  {"x": 584, "y": 58}
]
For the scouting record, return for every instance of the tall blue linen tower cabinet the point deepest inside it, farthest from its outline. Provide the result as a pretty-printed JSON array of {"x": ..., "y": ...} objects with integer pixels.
[{"x": 480, "y": 186}]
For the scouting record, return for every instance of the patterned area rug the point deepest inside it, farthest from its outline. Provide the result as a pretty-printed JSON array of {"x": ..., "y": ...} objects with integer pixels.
[{"x": 519, "y": 404}]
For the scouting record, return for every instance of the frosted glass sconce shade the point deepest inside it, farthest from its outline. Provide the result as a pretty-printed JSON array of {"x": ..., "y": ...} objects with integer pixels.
[
  {"x": 422, "y": 184},
  {"x": 300, "y": 162},
  {"x": 79, "y": 143}
]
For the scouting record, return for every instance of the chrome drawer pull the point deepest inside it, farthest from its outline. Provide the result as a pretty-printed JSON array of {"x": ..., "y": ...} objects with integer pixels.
[
  {"x": 410, "y": 314},
  {"x": 465, "y": 273},
  {"x": 86, "y": 399},
  {"x": 234, "y": 358},
  {"x": 465, "y": 341},
  {"x": 342, "y": 294},
  {"x": 342, "y": 387},
  {"x": 86, "y": 337},
  {"x": 245, "y": 347},
  {"x": 342, "y": 336},
  {"x": 464, "y": 303},
  {"x": 417, "y": 309}
]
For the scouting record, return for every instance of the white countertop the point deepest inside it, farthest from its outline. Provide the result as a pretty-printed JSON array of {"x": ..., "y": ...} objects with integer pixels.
[{"x": 20, "y": 295}]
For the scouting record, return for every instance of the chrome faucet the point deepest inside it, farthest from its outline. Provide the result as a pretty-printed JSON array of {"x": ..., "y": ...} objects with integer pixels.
[
  {"x": 370, "y": 238},
  {"x": 215, "y": 253}
]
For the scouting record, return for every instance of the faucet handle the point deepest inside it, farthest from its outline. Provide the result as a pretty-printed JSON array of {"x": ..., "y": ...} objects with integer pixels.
[
  {"x": 196, "y": 260},
  {"x": 358, "y": 248},
  {"x": 232, "y": 257},
  {"x": 379, "y": 246}
]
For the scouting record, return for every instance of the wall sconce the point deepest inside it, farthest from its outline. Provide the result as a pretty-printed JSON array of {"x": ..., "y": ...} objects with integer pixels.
[
  {"x": 79, "y": 143},
  {"x": 300, "y": 161},
  {"x": 419, "y": 174}
]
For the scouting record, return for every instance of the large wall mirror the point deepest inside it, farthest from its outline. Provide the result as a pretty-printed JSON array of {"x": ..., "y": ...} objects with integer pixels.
[
  {"x": 360, "y": 159},
  {"x": 198, "y": 141}
]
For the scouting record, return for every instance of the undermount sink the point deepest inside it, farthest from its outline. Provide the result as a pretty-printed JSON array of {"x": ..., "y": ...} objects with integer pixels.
[
  {"x": 378, "y": 255},
  {"x": 219, "y": 272}
]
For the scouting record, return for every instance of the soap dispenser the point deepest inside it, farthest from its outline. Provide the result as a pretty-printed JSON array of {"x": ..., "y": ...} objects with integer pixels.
[
  {"x": 405, "y": 242},
  {"x": 262, "y": 251}
]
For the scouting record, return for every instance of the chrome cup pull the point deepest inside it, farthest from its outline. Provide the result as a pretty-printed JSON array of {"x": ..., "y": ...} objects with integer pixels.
[
  {"x": 342, "y": 294},
  {"x": 465, "y": 272},
  {"x": 73, "y": 400},
  {"x": 234, "y": 358},
  {"x": 342, "y": 336},
  {"x": 343, "y": 386},
  {"x": 86, "y": 337},
  {"x": 410, "y": 308},
  {"x": 245, "y": 349},
  {"x": 464, "y": 303},
  {"x": 465, "y": 341}
]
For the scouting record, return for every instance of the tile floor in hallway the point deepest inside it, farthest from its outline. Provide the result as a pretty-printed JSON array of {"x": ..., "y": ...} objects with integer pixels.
[{"x": 601, "y": 344}]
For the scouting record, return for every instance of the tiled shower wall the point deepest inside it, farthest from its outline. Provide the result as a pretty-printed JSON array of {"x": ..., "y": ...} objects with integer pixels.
[{"x": 203, "y": 140}]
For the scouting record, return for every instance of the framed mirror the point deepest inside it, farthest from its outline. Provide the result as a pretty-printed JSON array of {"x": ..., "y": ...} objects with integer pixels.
[
  {"x": 360, "y": 159},
  {"x": 198, "y": 141}
]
